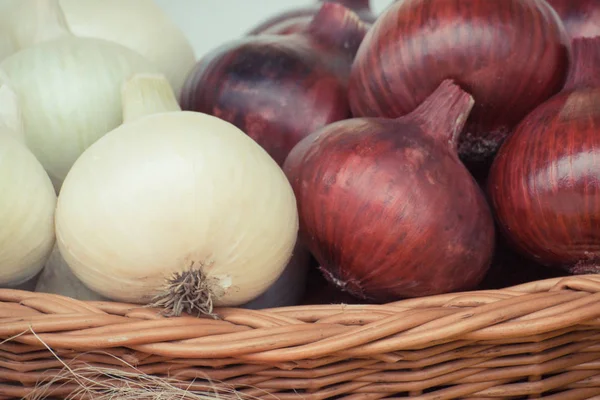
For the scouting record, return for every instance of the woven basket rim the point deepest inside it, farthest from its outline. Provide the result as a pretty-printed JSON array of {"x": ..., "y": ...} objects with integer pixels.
[{"x": 553, "y": 324}]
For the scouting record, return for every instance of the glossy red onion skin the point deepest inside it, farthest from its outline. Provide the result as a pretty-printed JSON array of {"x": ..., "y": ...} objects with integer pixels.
[
  {"x": 511, "y": 55},
  {"x": 544, "y": 184},
  {"x": 389, "y": 211},
  {"x": 580, "y": 17},
  {"x": 279, "y": 89},
  {"x": 295, "y": 21}
]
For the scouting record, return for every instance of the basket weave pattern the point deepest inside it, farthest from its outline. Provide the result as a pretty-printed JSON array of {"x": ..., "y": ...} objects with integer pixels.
[{"x": 540, "y": 339}]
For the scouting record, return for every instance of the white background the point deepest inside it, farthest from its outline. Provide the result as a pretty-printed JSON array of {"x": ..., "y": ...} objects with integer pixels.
[{"x": 209, "y": 23}]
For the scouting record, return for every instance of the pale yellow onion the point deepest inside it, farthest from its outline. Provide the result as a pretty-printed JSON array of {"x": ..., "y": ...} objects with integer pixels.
[
  {"x": 27, "y": 203},
  {"x": 175, "y": 192},
  {"x": 69, "y": 90},
  {"x": 57, "y": 278},
  {"x": 140, "y": 25}
]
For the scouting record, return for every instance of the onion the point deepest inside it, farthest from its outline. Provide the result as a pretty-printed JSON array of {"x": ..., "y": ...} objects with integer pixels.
[
  {"x": 57, "y": 278},
  {"x": 544, "y": 183},
  {"x": 511, "y": 55},
  {"x": 297, "y": 20},
  {"x": 69, "y": 90},
  {"x": 580, "y": 17},
  {"x": 180, "y": 209},
  {"x": 27, "y": 202},
  {"x": 279, "y": 89},
  {"x": 140, "y": 25},
  {"x": 387, "y": 208}
]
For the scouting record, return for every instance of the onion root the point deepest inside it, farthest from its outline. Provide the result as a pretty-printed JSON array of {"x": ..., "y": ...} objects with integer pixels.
[{"x": 191, "y": 291}]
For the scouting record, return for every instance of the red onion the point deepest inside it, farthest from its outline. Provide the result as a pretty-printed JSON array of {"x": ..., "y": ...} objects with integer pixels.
[
  {"x": 386, "y": 206},
  {"x": 297, "y": 20},
  {"x": 544, "y": 184},
  {"x": 580, "y": 17},
  {"x": 510, "y": 55},
  {"x": 279, "y": 89}
]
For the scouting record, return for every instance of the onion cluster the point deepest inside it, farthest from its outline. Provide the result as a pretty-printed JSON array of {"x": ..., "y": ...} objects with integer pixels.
[
  {"x": 279, "y": 89},
  {"x": 510, "y": 55}
]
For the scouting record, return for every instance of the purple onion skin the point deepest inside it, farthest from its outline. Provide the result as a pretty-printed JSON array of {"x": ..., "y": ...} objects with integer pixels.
[
  {"x": 544, "y": 184},
  {"x": 510, "y": 55},
  {"x": 386, "y": 206},
  {"x": 279, "y": 89},
  {"x": 297, "y": 20},
  {"x": 580, "y": 17}
]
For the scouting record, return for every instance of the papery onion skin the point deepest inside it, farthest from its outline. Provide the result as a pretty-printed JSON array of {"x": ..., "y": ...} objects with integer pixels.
[
  {"x": 580, "y": 17},
  {"x": 57, "y": 278},
  {"x": 140, "y": 25},
  {"x": 510, "y": 55},
  {"x": 69, "y": 90},
  {"x": 279, "y": 89},
  {"x": 298, "y": 20},
  {"x": 27, "y": 203},
  {"x": 544, "y": 184},
  {"x": 387, "y": 208},
  {"x": 176, "y": 193}
]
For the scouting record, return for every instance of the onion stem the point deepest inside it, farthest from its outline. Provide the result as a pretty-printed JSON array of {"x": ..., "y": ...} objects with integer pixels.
[
  {"x": 147, "y": 94},
  {"x": 51, "y": 22}
]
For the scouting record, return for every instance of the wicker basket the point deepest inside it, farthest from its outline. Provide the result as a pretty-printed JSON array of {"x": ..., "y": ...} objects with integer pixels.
[{"x": 538, "y": 340}]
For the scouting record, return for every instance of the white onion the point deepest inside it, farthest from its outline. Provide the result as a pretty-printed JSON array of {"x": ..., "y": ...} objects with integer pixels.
[
  {"x": 57, "y": 278},
  {"x": 175, "y": 193},
  {"x": 27, "y": 203},
  {"x": 140, "y": 25},
  {"x": 69, "y": 90}
]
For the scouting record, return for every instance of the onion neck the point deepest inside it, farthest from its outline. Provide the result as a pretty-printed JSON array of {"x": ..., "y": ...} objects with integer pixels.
[
  {"x": 585, "y": 66},
  {"x": 445, "y": 112},
  {"x": 51, "y": 21},
  {"x": 339, "y": 27},
  {"x": 147, "y": 94}
]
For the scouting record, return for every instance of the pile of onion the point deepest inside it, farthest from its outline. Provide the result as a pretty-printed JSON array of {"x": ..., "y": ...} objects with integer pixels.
[
  {"x": 510, "y": 55},
  {"x": 279, "y": 89},
  {"x": 580, "y": 17},
  {"x": 544, "y": 184},
  {"x": 27, "y": 202},
  {"x": 68, "y": 88},
  {"x": 175, "y": 208},
  {"x": 386, "y": 206},
  {"x": 297, "y": 20},
  {"x": 139, "y": 25}
]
